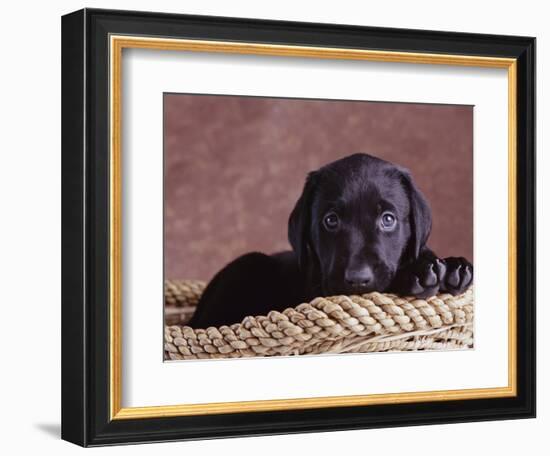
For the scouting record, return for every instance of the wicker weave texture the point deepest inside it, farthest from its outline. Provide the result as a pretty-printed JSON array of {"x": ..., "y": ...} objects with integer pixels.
[{"x": 373, "y": 322}]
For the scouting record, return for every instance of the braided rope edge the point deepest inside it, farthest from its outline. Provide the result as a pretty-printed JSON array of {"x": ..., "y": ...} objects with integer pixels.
[{"x": 337, "y": 324}]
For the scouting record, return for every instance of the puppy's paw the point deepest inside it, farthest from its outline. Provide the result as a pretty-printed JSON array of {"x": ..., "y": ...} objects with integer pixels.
[
  {"x": 423, "y": 278},
  {"x": 459, "y": 275}
]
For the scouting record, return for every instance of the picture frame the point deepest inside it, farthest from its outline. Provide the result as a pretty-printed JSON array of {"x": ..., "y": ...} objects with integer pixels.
[{"x": 93, "y": 42}]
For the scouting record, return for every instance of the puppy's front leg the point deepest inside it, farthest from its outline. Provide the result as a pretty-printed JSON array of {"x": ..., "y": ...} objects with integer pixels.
[
  {"x": 421, "y": 278},
  {"x": 458, "y": 276},
  {"x": 429, "y": 275}
]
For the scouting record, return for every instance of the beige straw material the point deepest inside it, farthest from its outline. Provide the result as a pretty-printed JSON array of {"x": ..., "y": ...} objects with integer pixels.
[{"x": 374, "y": 322}]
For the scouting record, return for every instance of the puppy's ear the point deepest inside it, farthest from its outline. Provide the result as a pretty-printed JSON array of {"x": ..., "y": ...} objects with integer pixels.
[
  {"x": 420, "y": 217},
  {"x": 299, "y": 222}
]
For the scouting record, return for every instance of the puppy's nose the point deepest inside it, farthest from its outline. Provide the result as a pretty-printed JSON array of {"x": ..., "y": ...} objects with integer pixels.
[{"x": 359, "y": 277}]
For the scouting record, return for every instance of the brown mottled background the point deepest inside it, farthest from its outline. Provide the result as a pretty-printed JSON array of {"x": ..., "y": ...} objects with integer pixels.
[{"x": 235, "y": 166}]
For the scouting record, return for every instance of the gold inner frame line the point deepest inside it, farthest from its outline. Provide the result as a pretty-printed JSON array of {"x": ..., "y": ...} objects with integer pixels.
[{"x": 117, "y": 44}]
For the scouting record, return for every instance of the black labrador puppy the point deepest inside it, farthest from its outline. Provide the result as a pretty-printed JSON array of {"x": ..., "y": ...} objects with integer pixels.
[{"x": 360, "y": 225}]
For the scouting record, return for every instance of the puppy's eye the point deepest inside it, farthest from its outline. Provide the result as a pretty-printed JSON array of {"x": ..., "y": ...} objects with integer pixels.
[
  {"x": 388, "y": 221},
  {"x": 331, "y": 221}
]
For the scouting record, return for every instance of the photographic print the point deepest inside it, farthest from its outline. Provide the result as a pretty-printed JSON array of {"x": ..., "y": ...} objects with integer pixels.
[
  {"x": 316, "y": 226},
  {"x": 345, "y": 214}
]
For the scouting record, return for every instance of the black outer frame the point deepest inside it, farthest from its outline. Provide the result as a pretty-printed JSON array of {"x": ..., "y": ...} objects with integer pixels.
[{"x": 85, "y": 227}]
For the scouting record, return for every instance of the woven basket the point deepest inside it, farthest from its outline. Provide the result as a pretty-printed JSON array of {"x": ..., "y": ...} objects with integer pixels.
[{"x": 373, "y": 322}]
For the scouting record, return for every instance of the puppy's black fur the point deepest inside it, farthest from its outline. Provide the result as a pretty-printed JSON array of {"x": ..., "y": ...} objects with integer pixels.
[{"x": 360, "y": 225}]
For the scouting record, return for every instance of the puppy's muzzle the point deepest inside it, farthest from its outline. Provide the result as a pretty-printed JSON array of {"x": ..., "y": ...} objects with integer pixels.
[{"x": 359, "y": 278}]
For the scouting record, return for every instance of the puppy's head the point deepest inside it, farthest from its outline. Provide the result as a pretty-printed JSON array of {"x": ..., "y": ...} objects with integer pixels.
[{"x": 357, "y": 221}]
